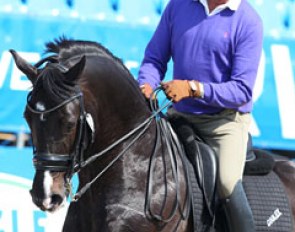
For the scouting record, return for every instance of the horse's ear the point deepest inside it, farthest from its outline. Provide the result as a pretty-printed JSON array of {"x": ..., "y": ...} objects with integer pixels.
[
  {"x": 29, "y": 70},
  {"x": 74, "y": 72}
]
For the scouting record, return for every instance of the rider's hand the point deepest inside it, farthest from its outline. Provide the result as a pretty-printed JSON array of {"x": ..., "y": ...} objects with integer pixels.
[
  {"x": 177, "y": 90},
  {"x": 146, "y": 90}
]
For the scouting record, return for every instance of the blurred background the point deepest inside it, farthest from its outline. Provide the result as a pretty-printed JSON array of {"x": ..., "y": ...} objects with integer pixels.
[{"x": 124, "y": 27}]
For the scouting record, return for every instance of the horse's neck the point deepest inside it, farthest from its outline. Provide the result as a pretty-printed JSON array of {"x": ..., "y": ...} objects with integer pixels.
[
  {"x": 116, "y": 105},
  {"x": 116, "y": 108}
]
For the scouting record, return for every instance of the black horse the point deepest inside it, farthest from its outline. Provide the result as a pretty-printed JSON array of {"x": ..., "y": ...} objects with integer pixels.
[
  {"x": 87, "y": 115},
  {"x": 84, "y": 104}
]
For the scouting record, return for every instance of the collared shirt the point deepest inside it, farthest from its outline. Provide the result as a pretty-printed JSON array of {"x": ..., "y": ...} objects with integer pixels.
[
  {"x": 231, "y": 4},
  {"x": 221, "y": 51}
]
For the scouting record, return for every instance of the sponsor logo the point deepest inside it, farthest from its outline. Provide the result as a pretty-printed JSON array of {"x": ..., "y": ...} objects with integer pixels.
[{"x": 274, "y": 217}]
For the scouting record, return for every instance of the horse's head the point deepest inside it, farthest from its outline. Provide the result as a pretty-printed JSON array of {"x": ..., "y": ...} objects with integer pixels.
[{"x": 54, "y": 113}]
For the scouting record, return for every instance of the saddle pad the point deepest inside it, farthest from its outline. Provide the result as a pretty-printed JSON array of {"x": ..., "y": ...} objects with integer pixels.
[{"x": 269, "y": 203}]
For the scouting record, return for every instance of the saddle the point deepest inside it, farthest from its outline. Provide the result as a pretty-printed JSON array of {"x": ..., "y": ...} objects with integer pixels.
[{"x": 270, "y": 205}]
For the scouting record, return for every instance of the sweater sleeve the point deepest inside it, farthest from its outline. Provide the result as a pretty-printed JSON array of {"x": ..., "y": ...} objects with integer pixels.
[
  {"x": 237, "y": 91},
  {"x": 157, "y": 53}
]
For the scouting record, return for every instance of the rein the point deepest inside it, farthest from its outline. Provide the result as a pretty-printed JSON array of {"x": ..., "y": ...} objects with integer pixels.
[
  {"x": 173, "y": 147},
  {"x": 164, "y": 130},
  {"x": 91, "y": 159}
]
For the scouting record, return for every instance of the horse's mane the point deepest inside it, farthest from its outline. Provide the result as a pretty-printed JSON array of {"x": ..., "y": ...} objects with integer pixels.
[
  {"x": 51, "y": 78},
  {"x": 68, "y": 48}
]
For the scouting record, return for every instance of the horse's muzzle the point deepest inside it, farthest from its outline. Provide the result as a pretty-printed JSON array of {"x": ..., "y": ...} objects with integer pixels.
[{"x": 50, "y": 204}]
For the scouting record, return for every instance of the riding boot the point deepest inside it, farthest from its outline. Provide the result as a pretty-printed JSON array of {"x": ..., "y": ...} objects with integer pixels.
[{"x": 238, "y": 212}]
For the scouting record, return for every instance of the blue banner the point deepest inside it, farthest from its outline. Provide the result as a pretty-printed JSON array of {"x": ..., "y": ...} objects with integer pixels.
[{"x": 274, "y": 107}]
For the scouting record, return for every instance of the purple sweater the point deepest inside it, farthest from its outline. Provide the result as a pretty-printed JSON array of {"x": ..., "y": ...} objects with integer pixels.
[{"x": 221, "y": 51}]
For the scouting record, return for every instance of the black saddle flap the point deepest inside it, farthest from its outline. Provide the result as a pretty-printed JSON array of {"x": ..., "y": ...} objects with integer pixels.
[{"x": 202, "y": 158}]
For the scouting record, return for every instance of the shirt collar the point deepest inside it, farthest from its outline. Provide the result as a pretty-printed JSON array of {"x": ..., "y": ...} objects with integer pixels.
[{"x": 231, "y": 4}]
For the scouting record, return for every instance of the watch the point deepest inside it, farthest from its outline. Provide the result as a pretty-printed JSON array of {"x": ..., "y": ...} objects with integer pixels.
[
  {"x": 193, "y": 86},
  {"x": 197, "y": 88}
]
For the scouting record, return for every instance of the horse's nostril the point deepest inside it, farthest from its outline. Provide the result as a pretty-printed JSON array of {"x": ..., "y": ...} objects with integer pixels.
[{"x": 56, "y": 199}]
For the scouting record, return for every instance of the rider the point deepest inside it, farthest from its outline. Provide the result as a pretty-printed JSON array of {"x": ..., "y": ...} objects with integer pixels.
[{"x": 215, "y": 46}]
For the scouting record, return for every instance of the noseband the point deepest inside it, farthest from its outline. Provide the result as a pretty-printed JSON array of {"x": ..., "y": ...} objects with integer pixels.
[{"x": 62, "y": 162}]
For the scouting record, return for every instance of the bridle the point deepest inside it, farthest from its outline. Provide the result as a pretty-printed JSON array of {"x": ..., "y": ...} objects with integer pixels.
[
  {"x": 62, "y": 162},
  {"x": 68, "y": 163}
]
